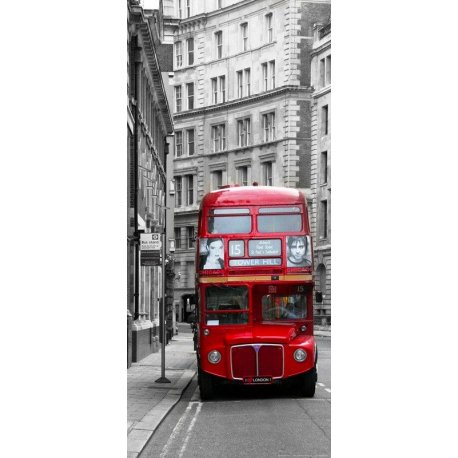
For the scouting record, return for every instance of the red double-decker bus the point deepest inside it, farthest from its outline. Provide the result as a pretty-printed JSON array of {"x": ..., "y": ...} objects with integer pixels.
[{"x": 254, "y": 289}]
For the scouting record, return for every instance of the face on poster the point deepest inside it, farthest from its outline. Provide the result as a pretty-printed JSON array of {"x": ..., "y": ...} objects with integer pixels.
[
  {"x": 298, "y": 251},
  {"x": 211, "y": 253}
]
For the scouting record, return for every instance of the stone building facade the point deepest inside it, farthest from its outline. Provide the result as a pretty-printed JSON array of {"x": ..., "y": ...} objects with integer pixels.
[
  {"x": 242, "y": 107},
  {"x": 149, "y": 124},
  {"x": 321, "y": 167}
]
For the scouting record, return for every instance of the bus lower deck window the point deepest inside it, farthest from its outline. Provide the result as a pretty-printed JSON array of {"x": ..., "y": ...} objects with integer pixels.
[{"x": 279, "y": 307}]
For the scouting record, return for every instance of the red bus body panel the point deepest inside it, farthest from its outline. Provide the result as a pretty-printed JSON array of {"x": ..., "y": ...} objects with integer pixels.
[{"x": 258, "y": 348}]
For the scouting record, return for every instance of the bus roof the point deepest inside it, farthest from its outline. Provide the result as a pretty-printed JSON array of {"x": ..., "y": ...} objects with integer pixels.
[{"x": 253, "y": 195}]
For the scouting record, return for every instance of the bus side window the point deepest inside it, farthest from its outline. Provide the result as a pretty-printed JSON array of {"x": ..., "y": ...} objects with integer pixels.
[{"x": 211, "y": 225}]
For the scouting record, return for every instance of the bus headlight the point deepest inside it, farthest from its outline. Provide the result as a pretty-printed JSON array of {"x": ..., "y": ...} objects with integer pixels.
[
  {"x": 300, "y": 355},
  {"x": 214, "y": 357}
]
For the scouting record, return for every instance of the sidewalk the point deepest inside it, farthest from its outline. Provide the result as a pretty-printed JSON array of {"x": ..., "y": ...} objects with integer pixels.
[
  {"x": 322, "y": 331},
  {"x": 148, "y": 402}
]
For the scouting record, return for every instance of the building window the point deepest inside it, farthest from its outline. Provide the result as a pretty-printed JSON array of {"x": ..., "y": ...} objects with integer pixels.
[
  {"x": 269, "y": 30},
  {"x": 190, "y": 141},
  {"x": 244, "y": 131},
  {"x": 324, "y": 219},
  {"x": 267, "y": 174},
  {"x": 190, "y": 91},
  {"x": 214, "y": 82},
  {"x": 218, "y": 89},
  {"x": 191, "y": 235},
  {"x": 178, "y": 244},
  {"x": 247, "y": 82},
  {"x": 325, "y": 72},
  {"x": 178, "y": 191},
  {"x": 324, "y": 167},
  {"x": 219, "y": 44},
  {"x": 268, "y": 75},
  {"x": 179, "y": 143},
  {"x": 180, "y": 9},
  {"x": 243, "y": 83},
  {"x": 242, "y": 175},
  {"x": 178, "y": 105},
  {"x": 188, "y": 8},
  {"x": 268, "y": 125},
  {"x": 190, "y": 189},
  {"x": 220, "y": 4},
  {"x": 328, "y": 70},
  {"x": 272, "y": 74},
  {"x": 264, "y": 77},
  {"x": 222, "y": 88},
  {"x": 217, "y": 179},
  {"x": 324, "y": 120},
  {"x": 244, "y": 35},
  {"x": 179, "y": 53},
  {"x": 219, "y": 137},
  {"x": 322, "y": 72},
  {"x": 240, "y": 84},
  {"x": 190, "y": 46}
]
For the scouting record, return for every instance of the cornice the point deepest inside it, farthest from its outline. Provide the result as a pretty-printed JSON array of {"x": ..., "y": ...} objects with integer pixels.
[
  {"x": 185, "y": 211},
  {"x": 203, "y": 18},
  {"x": 241, "y": 102},
  {"x": 323, "y": 47},
  {"x": 321, "y": 92}
]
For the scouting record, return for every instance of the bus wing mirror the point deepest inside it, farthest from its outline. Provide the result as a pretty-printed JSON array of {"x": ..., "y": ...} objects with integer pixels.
[{"x": 318, "y": 296}]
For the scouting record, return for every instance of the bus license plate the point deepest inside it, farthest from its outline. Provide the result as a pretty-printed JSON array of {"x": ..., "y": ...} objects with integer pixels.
[{"x": 257, "y": 380}]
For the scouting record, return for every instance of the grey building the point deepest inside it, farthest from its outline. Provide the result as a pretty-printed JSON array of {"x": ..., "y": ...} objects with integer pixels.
[
  {"x": 149, "y": 122},
  {"x": 321, "y": 167},
  {"x": 242, "y": 106}
]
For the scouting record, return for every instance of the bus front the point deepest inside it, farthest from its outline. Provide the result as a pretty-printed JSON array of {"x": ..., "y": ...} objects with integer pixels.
[{"x": 254, "y": 290}]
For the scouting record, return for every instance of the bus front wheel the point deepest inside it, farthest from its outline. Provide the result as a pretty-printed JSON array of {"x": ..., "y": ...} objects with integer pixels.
[
  {"x": 306, "y": 383},
  {"x": 206, "y": 385}
]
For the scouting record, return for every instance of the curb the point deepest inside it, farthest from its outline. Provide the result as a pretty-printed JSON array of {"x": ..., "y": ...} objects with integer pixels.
[{"x": 139, "y": 433}]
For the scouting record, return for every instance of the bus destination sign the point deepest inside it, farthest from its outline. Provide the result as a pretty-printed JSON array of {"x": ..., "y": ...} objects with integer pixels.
[
  {"x": 265, "y": 247},
  {"x": 254, "y": 262}
]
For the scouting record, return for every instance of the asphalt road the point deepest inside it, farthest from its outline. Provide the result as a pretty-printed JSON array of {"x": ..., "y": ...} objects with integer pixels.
[{"x": 262, "y": 421}]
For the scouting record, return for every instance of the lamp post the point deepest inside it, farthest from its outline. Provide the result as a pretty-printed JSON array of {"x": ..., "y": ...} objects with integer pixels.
[{"x": 163, "y": 378}]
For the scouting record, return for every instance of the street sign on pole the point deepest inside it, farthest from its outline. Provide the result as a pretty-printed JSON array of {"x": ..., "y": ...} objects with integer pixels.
[{"x": 150, "y": 249}]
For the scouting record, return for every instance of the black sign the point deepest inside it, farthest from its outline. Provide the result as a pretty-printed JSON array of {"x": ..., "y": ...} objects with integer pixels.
[
  {"x": 150, "y": 258},
  {"x": 265, "y": 247},
  {"x": 257, "y": 380}
]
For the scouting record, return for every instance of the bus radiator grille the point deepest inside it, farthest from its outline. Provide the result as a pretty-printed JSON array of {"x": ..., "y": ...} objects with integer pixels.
[{"x": 257, "y": 360}]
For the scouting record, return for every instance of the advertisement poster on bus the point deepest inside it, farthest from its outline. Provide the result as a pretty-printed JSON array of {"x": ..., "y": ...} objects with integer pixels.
[
  {"x": 299, "y": 252},
  {"x": 211, "y": 253}
]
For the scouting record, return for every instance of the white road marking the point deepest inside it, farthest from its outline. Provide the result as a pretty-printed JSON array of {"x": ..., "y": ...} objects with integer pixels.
[
  {"x": 320, "y": 384},
  {"x": 191, "y": 426},
  {"x": 176, "y": 431},
  {"x": 327, "y": 389}
]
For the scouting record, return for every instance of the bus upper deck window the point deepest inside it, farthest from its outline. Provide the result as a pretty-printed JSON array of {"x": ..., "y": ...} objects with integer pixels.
[
  {"x": 279, "y": 219},
  {"x": 229, "y": 221}
]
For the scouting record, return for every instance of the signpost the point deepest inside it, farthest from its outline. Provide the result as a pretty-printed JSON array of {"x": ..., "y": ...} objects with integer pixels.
[{"x": 150, "y": 249}]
